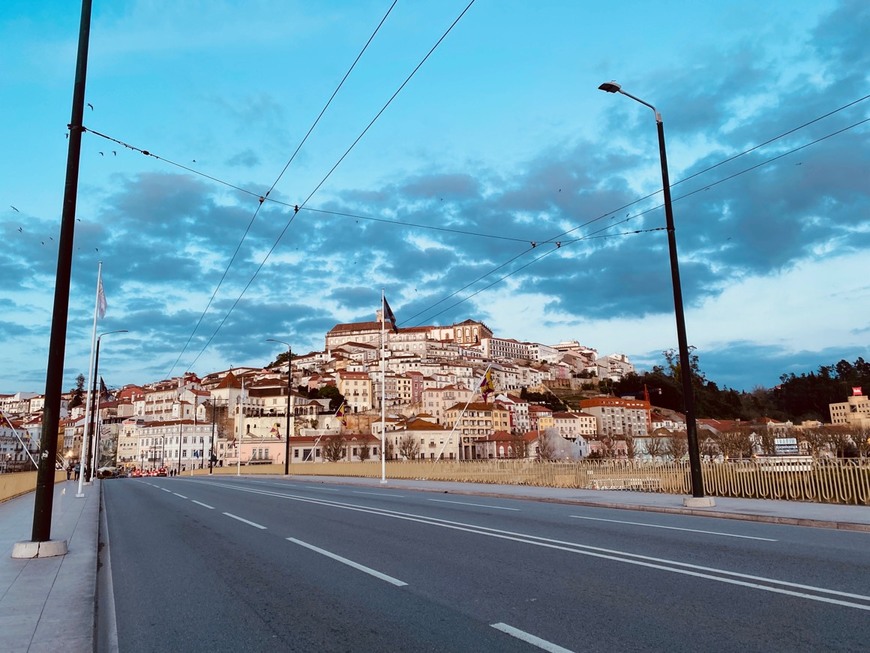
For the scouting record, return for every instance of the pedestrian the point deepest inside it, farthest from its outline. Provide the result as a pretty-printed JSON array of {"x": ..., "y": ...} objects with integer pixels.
[
  {"x": 68, "y": 471},
  {"x": 78, "y": 470}
]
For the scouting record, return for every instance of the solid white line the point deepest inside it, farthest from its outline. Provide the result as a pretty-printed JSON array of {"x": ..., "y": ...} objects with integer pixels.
[
  {"x": 322, "y": 489},
  {"x": 245, "y": 521},
  {"x": 530, "y": 639},
  {"x": 349, "y": 563},
  {"x": 675, "y": 528},
  {"x": 596, "y": 552},
  {"x": 478, "y": 505},
  {"x": 379, "y": 494},
  {"x": 179, "y": 495},
  {"x": 204, "y": 505}
]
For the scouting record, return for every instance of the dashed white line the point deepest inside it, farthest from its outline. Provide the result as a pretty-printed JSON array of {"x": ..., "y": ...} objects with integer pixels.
[
  {"x": 675, "y": 528},
  {"x": 179, "y": 495},
  {"x": 204, "y": 505},
  {"x": 379, "y": 494},
  {"x": 349, "y": 563},
  {"x": 478, "y": 505},
  {"x": 164, "y": 489},
  {"x": 542, "y": 644},
  {"x": 245, "y": 521}
]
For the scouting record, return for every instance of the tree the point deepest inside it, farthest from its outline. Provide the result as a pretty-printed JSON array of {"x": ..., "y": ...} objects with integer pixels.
[
  {"x": 519, "y": 446},
  {"x": 365, "y": 451},
  {"x": 630, "y": 446},
  {"x": 409, "y": 448},
  {"x": 334, "y": 448},
  {"x": 655, "y": 447},
  {"x": 78, "y": 392},
  {"x": 330, "y": 392},
  {"x": 677, "y": 446},
  {"x": 736, "y": 442},
  {"x": 546, "y": 447}
]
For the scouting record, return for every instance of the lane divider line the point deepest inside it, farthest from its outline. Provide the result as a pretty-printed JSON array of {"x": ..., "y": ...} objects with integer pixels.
[
  {"x": 245, "y": 521},
  {"x": 542, "y": 644},
  {"x": 179, "y": 495},
  {"x": 477, "y": 505},
  {"x": 204, "y": 505},
  {"x": 675, "y": 528},
  {"x": 349, "y": 563}
]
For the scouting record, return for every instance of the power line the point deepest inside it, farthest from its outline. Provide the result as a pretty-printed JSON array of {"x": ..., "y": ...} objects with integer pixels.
[
  {"x": 597, "y": 234},
  {"x": 266, "y": 196},
  {"x": 329, "y": 174}
]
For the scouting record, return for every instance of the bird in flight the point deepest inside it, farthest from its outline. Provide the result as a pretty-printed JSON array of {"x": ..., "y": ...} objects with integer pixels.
[
  {"x": 14, "y": 209},
  {"x": 91, "y": 106}
]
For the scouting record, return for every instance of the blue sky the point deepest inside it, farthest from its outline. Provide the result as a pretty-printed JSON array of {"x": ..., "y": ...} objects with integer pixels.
[{"x": 500, "y": 139}]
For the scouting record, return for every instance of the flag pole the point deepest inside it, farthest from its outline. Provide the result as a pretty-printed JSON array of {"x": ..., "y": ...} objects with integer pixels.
[
  {"x": 458, "y": 419},
  {"x": 85, "y": 452},
  {"x": 383, "y": 389}
]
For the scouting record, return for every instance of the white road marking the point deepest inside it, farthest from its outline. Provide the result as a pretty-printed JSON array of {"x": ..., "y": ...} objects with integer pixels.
[
  {"x": 349, "y": 563},
  {"x": 204, "y": 505},
  {"x": 676, "y": 567},
  {"x": 322, "y": 489},
  {"x": 675, "y": 528},
  {"x": 164, "y": 489},
  {"x": 478, "y": 505},
  {"x": 542, "y": 644},
  {"x": 379, "y": 494},
  {"x": 245, "y": 521},
  {"x": 179, "y": 495}
]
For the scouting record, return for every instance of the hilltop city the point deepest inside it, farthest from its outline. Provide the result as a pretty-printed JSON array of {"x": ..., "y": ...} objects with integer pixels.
[{"x": 453, "y": 392}]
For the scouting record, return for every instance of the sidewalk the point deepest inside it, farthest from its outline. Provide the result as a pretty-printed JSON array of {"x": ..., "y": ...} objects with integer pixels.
[{"x": 47, "y": 604}]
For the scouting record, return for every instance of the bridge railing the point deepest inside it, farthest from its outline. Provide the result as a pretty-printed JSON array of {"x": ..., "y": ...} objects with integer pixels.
[{"x": 822, "y": 481}]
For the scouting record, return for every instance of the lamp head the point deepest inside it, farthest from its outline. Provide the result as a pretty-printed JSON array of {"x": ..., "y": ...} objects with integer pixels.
[{"x": 610, "y": 87}]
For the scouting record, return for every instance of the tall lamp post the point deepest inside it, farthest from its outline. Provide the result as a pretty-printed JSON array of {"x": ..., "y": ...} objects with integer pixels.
[
  {"x": 287, "y": 416},
  {"x": 89, "y": 468},
  {"x": 698, "y": 499}
]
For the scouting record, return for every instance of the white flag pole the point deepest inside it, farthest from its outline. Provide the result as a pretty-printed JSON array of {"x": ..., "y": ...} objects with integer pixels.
[
  {"x": 84, "y": 458},
  {"x": 383, "y": 389}
]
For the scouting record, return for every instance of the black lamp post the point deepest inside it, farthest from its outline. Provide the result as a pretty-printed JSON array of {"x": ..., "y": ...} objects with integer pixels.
[
  {"x": 685, "y": 363},
  {"x": 287, "y": 425}
]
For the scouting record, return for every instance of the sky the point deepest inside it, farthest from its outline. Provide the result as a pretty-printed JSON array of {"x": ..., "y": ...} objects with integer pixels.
[{"x": 461, "y": 159}]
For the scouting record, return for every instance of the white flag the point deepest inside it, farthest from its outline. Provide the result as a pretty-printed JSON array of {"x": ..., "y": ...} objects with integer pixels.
[{"x": 101, "y": 299}]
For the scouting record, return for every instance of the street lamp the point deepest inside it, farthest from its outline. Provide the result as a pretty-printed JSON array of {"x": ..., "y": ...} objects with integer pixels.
[
  {"x": 698, "y": 499},
  {"x": 89, "y": 468},
  {"x": 287, "y": 425}
]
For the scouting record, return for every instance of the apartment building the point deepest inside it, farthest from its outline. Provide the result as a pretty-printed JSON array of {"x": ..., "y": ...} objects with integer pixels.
[
  {"x": 617, "y": 417},
  {"x": 855, "y": 411}
]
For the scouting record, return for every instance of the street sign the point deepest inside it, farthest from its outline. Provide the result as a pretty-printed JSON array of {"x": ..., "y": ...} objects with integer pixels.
[{"x": 785, "y": 446}]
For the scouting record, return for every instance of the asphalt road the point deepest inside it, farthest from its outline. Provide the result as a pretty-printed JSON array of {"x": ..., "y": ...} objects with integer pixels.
[{"x": 215, "y": 564}]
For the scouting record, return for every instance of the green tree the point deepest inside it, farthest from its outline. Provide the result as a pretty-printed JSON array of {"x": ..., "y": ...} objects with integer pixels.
[
  {"x": 330, "y": 392},
  {"x": 78, "y": 392}
]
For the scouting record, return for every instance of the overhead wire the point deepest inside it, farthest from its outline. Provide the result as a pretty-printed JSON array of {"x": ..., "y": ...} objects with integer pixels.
[
  {"x": 297, "y": 208},
  {"x": 596, "y": 234},
  {"x": 266, "y": 196}
]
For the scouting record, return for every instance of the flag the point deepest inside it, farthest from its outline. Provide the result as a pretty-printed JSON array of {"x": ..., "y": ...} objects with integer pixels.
[
  {"x": 389, "y": 315},
  {"x": 340, "y": 414},
  {"x": 101, "y": 298},
  {"x": 486, "y": 385},
  {"x": 274, "y": 431},
  {"x": 104, "y": 391}
]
